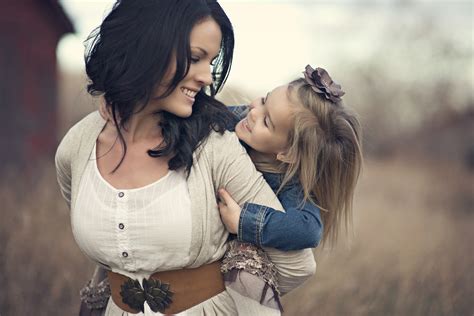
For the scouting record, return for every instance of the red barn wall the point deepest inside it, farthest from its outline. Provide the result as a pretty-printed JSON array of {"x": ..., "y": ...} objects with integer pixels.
[{"x": 28, "y": 74}]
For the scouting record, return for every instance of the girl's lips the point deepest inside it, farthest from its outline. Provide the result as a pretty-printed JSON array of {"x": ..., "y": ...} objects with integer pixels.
[{"x": 245, "y": 123}]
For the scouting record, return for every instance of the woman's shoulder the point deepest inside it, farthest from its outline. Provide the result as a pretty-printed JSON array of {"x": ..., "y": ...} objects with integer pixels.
[
  {"x": 71, "y": 141},
  {"x": 227, "y": 136},
  {"x": 88, "y": 124},
  {"x": 223, "y": 142},
  {"x": 220, "y": 146}
]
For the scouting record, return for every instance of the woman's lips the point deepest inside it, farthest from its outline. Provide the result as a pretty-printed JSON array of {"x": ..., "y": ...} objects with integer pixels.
[{"x": 190, "y": 94}]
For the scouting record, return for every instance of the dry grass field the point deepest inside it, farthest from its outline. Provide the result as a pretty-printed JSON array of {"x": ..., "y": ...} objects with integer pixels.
[{"x": 410, "y": 254}]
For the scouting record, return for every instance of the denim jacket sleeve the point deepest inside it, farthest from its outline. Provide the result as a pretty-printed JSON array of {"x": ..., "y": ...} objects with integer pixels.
[
  {"x": 298, "y": 228},
  {"x": 239, "y": 112}
]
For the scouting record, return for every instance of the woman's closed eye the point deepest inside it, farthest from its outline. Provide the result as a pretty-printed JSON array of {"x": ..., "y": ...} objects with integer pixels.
[{"x": 196, "y": 59}]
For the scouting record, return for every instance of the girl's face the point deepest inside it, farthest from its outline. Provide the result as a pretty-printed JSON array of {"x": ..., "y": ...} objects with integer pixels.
[
  {"x": 205, "y": 42},
  {"x": 268, "y": 123}
]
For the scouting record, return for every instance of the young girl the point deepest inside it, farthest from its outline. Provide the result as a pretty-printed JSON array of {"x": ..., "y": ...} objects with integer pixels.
[{"x": 307, "y": 145}]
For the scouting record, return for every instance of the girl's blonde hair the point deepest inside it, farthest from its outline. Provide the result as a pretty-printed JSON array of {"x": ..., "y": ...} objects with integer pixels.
[{"x": 325, "y": 154}]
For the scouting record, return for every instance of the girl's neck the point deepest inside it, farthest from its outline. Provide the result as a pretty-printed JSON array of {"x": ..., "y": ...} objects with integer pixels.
[{"x": 266, "y": 162}]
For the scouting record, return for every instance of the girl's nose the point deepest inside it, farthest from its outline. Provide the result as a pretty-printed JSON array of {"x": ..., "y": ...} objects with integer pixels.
[
  {"x": 253, "y": 104},
  {"x": 251, "y": 113}
]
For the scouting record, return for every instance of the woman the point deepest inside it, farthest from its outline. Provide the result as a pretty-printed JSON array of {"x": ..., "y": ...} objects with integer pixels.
[{"x": 142, "y": 190}]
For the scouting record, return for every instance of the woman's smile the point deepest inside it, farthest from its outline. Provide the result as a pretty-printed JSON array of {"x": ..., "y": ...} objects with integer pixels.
[{"x": 191, "y": 94}]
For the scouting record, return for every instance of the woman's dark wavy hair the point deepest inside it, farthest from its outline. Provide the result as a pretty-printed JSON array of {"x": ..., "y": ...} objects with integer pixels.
[{"x": 128, "y": 55}]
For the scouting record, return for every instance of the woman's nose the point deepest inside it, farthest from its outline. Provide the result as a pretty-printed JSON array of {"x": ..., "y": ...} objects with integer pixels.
[{"x": 204, "y": 76}]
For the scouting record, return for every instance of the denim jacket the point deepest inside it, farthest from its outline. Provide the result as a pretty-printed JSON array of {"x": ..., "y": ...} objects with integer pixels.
[{"x": 299, "y": 227}]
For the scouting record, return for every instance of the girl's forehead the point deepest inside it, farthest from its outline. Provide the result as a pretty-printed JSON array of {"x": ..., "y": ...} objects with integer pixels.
[
  {"x": 280, "y": 108},
  {"x": 278, "y": 94},
  {"x": 283, "y": 97}
]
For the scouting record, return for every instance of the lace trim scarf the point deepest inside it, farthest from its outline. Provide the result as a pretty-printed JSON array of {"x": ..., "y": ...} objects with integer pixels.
[{"x": 248, "y": 270}]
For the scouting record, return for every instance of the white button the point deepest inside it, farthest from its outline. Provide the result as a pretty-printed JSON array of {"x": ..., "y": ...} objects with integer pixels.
[{"x": 121, "y": 194}]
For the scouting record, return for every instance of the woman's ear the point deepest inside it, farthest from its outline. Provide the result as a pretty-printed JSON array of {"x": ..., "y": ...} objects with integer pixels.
[
  {"x": 104, "y": 111},
  {"x": 283, "y": 157}
]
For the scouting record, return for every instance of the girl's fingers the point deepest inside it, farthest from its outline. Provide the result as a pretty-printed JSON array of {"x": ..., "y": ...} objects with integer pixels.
[
  {"x": 228, "y": 200},
  {"x": 222, "y": 207}
]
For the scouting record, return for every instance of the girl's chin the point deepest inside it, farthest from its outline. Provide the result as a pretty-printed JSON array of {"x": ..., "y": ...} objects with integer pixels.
[
  {"x": 238, "y": 135},
  {"x": 241, "y": 138},
  {"x": 238, "y": 130}
]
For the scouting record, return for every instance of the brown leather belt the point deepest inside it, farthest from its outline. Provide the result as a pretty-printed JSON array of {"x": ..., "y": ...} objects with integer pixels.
[{"x": 172, "y": 291}]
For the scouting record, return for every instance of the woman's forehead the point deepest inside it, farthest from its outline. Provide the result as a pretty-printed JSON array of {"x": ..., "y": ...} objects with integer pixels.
[{"x": 207, "y": 36}]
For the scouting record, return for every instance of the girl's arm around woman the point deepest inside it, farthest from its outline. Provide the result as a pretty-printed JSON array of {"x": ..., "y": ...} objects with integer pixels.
[{"x": 235, "y": 172}]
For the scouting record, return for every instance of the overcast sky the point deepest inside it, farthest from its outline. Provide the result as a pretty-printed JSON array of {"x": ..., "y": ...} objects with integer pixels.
[{"x": 276, "y": 39}]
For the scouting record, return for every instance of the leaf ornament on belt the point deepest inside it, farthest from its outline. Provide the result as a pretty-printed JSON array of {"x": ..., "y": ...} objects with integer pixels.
[{"x": 156, "y": 293}]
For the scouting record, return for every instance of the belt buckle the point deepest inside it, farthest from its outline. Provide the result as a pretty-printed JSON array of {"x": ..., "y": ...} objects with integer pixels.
[{"x": 156, "y": 293}]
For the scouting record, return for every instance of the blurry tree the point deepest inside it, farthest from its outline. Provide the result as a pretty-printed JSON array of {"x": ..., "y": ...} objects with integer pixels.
[{"x": 418, "y": 69}]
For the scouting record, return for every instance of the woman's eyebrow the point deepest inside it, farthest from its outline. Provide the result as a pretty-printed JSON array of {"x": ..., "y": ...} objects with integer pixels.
[{"x": 203, "y": 51}]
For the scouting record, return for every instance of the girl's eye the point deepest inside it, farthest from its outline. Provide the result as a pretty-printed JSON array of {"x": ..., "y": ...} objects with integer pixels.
[
  {"x": 265, "y": 121},
  {"x": 194, "y": 60},
  {"x": 263, "y": 100}
]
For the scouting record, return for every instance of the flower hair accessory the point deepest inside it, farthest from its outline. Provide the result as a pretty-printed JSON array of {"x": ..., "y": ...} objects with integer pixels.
[{"x": 322, "y": 84}]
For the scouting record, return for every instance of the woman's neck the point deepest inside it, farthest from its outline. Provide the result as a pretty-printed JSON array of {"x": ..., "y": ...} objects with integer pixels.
[
  {"x": 142, "y": 126},
  {"x": 265, "y": 162}
]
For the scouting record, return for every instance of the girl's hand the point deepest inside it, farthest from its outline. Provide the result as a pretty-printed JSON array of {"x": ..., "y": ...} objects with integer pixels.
[{"x": 230, "y": 211}]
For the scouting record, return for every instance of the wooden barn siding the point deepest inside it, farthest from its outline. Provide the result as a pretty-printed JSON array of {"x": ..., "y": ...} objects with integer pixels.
[{"x": 28, "y": 94}]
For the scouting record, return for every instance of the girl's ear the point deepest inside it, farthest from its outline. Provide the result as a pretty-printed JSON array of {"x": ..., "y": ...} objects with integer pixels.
[{"x": 283, "y": 157}]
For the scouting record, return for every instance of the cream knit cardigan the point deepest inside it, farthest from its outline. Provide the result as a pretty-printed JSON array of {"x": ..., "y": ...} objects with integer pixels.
[{"x": 219, "y": 162}]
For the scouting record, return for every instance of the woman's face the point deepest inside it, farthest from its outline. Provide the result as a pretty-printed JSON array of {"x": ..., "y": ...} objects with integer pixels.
[
  {"x": 268, "y": 123},
  {"x": 205, "y": 42}
]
